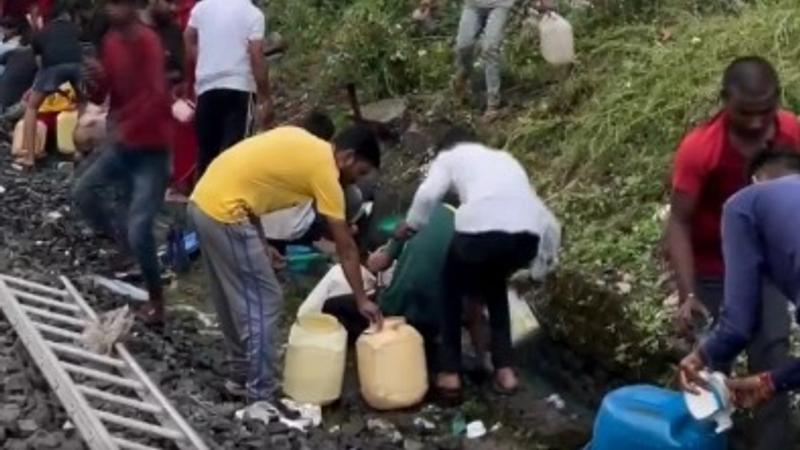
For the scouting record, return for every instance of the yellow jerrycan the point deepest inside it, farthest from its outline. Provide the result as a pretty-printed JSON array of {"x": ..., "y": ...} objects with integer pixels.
[
  {"x": 315, "y": 360},
  {"x": 41, "y": 139},
  {"x": 65, "y": 131},
  {"x": 391, "y": 365}
]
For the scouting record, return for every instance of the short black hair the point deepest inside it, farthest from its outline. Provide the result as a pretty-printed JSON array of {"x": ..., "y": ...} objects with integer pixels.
[
  {"x": 455, "y": 134},
  {"x": 60, "y": 8},
  {"x": 750, "y": 76},
  {"x": 319, "y": 124},
  {"x": 786, "y": 157},
  {"x": 362, "y": 141}
]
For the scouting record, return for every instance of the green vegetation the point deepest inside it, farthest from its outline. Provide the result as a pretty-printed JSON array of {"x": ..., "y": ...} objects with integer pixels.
[{"x": 598, "y": 140}]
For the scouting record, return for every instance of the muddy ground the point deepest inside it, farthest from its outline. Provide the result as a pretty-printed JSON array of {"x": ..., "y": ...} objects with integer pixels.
[{"x": 41, "y": 238}]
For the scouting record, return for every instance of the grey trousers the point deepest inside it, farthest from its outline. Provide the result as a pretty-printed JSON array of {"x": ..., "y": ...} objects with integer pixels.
[
  {"x": 768, "y": 350},
  {"x": 247, "y": 297},
  {"x": 492, "y": 22}
]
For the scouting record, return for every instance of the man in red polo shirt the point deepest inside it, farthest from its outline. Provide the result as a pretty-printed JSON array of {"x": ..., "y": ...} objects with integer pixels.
[
  {"x": 131, "y": 74},
  {"x": 711, "y": 165}
]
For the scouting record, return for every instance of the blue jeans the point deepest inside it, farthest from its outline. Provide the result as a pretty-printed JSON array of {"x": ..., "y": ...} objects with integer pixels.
[{"x": 142, "y": 175}]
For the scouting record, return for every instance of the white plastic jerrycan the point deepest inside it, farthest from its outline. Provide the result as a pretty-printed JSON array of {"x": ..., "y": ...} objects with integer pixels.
[
  {"x": 556, "y": 39},
  {"x": 391, "y": 365},
  {"x": 315, "y": 360}
]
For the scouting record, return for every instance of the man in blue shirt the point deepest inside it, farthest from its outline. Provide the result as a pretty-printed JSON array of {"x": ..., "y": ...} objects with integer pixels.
[{"x": 761, "y": 247}]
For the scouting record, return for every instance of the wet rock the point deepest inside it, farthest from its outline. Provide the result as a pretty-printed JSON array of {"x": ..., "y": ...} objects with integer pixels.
[
  {"x": 353, "y": 427},
  {"x": 280, "y": 442},
  {"x": 8, "y": 415},
  {"x": 27, "y": 427},
  {"x": 43, "y": 440},
  {"x": 385, "y": 111},
  {"x": 410, "y": 444}
]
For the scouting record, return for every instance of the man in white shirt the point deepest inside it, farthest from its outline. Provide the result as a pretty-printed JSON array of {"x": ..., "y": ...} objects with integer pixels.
[
  {"x": 498, "y": 228},
  {"x": 226, "y": 39}
]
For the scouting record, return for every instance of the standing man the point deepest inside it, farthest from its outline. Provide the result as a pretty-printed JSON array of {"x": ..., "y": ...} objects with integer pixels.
[
  {"x": 58, "y": 52},
  {"x": 131, "y": 72},
  {"x": 486, "y": 17},
  {"x": 498, "y": 227},
  {"x": 226, "y": 39},
  {"x": 760, "y": 244},
  {"x": 270, "y": 172},
  {"x": 711, "y": 165},
  {"x": 160, "y": 16}
]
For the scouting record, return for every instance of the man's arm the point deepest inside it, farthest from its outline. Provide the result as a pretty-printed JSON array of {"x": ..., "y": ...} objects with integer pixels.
[
  {"x": 190, "y": 44},
  {"x": 430, "y": 193},
  {"x": 258, "y": 63},
  {"x": 743, "y": 279},
  {"x": 679, "y": 242},
  {"x": 351, "y": 266}
]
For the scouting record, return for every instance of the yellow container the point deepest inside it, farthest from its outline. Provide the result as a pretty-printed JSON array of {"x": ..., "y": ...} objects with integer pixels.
[
  {"x": 315, "y": 360},
  {"x": 391, "y": 366},
  {"x": 65, "y": 131},
  {"x": 41, "y": 139}
]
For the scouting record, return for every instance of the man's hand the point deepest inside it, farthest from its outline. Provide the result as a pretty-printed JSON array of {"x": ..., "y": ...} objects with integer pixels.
[
  {"x": 404, "y": 232},
  {"x": 278, "y": 260},
  {"x": 371, "y": 312},
  {"x": 688, "y": 311},
  {"x": 752, "y": 391},
  {"x": 93, "y": 70},
  {"x": 689, "y": 376},
  {"x": 544, "y": 6}
]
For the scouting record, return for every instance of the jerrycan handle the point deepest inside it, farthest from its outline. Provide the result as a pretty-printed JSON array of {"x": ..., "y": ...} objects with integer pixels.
[{"x": 389, "y": 323}]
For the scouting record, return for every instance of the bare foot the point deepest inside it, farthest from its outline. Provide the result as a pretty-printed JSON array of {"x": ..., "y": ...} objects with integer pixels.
[
  {"x": 448, "y": 381},
  {"x": 151, "y": 314},
  {"x": 506, "y": 379}
]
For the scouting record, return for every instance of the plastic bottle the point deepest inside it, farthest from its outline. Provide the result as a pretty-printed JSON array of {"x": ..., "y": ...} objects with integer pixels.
[
  {"x": 315, "y": 360},
  {"x": 556, "y": 39},
  {"x": 66, "y": 123},
  {"x": 391, "y": 366}
]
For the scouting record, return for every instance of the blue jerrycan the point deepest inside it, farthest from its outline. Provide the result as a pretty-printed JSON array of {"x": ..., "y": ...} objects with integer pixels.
[{"x": 650, "y": 418}]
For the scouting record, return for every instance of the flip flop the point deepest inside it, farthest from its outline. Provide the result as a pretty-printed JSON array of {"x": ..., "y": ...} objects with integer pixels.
[{"x": 449, "y": 397}]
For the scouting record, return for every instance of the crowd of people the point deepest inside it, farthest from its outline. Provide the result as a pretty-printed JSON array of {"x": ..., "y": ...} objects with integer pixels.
[{"x": 474, "y": 221}]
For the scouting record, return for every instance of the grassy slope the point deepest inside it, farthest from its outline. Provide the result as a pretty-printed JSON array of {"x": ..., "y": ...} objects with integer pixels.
[{"x": 597, "y": 140}]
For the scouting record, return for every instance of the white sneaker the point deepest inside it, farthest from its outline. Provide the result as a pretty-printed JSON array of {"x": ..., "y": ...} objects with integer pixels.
[{"x": 266, "y": 412}]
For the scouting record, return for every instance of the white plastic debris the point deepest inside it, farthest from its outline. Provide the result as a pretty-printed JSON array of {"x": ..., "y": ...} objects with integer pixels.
[
  {"x": 307, "y": 411},
  {"x": 206, "y": 319},
  {"x": 496, "y": 427},
  {"x": 112, "y": 327},
  {"x": 121, "y": 288},
  {"x": 54, "y": 216},
  {"x": 265, "y": 412},
  {"x": 476, "y": 430},
  {"x": 556, "y": 401},
  {"x": 2, "y": 190},
  {"x": 424, "y": 424}
]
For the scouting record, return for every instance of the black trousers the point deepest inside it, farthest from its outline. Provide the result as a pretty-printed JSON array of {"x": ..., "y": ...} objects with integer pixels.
[
  {"x": 345, "y": 310},
  {"x": 479, "y": 266},
  {"x": 222, "y": 118}
]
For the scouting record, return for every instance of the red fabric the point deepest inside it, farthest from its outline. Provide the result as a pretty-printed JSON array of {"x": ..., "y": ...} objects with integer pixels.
[
  {"x": 184, "y": 156},
  {"x": 135, "y": 80},
  {"x": 709, "y": 169},
  {"x": 44, "y": 7},
  {"x": 16, "y": 8},
  {"x": 183, "y": 12}
]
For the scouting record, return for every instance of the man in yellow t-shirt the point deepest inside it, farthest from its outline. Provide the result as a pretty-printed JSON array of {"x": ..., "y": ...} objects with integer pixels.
[{"x": 272, "y": 171}]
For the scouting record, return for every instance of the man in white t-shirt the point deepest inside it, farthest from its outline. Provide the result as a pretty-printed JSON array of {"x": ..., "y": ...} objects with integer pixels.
[{"x": 226, "y": 39}]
